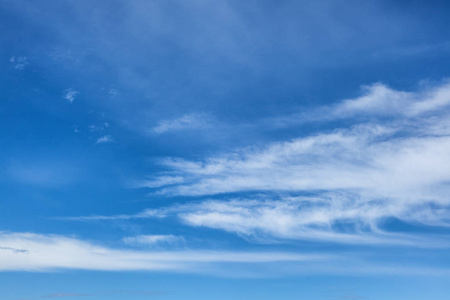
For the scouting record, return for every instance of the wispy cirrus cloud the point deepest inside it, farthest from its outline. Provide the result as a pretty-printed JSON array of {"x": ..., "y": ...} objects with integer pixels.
[
  {"x": 381, "y": 100},
  {"x": 377, "y": 101},
  {"x": 380, "y": 156},
  {"x": 53, "y": 252},
  {"x": 185, "y": 122},
  {"x": 337, "y": 217},
  {"x": 381, "y": 159},
  {"x": 360, "y": 174},
  {"x": 157, "y": 182}
]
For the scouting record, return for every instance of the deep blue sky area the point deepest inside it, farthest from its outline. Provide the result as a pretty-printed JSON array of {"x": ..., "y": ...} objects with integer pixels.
[{"x": 224, "y": 150}]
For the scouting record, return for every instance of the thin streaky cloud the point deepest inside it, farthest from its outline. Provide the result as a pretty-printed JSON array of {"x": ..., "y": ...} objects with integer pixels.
[
  {"x": 152, "y": 239},
  {"x": 377, "y": 100},
  {"x": 53, "y": 252},
  {"x": 185, "y": 122},
  {"x": 319, "y": 218},
  {"x": 157, "y": 182},
  {"x": 357, "y": 157}
]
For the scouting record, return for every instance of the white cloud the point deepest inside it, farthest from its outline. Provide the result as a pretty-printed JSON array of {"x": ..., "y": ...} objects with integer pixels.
[
  {"x": 152, "y": 239},
  {"x": 394, "y": 166},
  {"x": 382, "y": 100},
  {"x": 331, "y": 218},
  {"x": 106, "y": 139},
  {"x": 19, "y": 62},
  {"x": 380, "y": 159},
  {"x": 70, "y": 94},
  {"x": 383, "y": 157},
  {"x": 327, "y": 217},
  {"x": 52, "y": 252},
  {"x": 46, "y": 253},
  {"x": 377, "y": 101},
  {"x": 189, "y": 121},
  {"x": 360, "y": 176}
]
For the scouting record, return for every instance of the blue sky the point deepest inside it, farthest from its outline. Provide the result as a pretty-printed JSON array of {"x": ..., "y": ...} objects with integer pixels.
[{"x": 224, "y": 150}]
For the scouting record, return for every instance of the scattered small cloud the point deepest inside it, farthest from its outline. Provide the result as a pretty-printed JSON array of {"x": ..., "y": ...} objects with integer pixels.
[
  {"x": 106, "y": 139},
  {"x": 378, "y": 101},
  {"x": 19, "y": 62},
  {"x": 100, "y": 127},
  {"x": 70, "y": 95}
]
